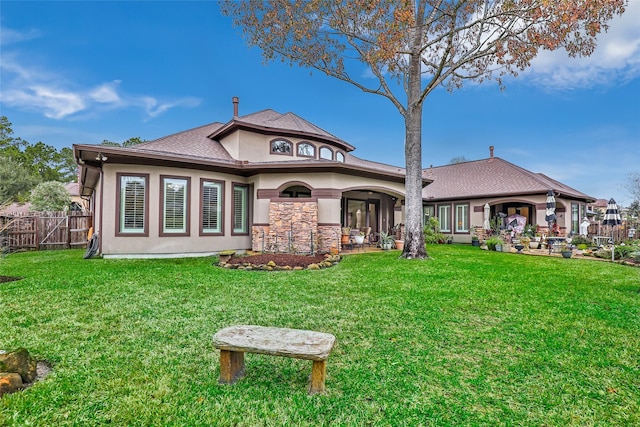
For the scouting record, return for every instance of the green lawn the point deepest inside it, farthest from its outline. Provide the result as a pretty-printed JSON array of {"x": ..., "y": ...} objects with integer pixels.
[{"x": 469, "y": 337}]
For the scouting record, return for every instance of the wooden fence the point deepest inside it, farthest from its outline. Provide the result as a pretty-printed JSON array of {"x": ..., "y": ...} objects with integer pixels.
[{"x": 44, "y": 230}]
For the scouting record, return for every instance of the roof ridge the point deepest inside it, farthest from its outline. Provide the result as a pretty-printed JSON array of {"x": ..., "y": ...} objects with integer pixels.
[{"x": 173, "y": 134}]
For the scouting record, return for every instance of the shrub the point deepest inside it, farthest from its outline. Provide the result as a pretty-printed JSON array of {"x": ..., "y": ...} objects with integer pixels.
[
  {"x": 581, "y": 240},
  {"x": 493, "y": 241},
  {"x": 432, "y": 232},
  {"x": 50, "y": 196}
]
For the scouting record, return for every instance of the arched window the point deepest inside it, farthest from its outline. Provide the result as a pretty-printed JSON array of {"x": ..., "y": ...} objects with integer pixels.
[
  {"x": 306, "y": 149},
  {"x": 340, "y": 157},
  {"x": 326, "y": 153},
  {"x": 296, "y": 191},
  {"x": 281, "y": 146}
]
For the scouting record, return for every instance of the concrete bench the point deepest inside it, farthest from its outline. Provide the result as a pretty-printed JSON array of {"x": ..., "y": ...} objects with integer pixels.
[{"x": 234, "y": 341}]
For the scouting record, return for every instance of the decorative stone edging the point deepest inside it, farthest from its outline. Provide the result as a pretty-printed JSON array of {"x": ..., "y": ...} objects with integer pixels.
[{"x": 329, "y": 261}]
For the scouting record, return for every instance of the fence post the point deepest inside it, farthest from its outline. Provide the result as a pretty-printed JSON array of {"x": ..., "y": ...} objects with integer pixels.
[
  {"x": 36, "y": 226},
  {"x": 69, "y": 230}
]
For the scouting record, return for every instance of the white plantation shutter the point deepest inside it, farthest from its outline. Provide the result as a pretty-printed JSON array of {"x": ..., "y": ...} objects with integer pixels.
[
  {"x": 132, "y": 204},
  {"x": 211, "y": 207},
  {"x": 175, "y": 205},
  {"x": 240, "y": 208}
]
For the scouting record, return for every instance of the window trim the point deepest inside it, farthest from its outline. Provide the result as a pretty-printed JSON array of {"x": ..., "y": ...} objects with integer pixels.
[
  {"x": 330, "y": 150},
  {"x": 448, "y": 218},
  {"x": 312, "y": 156},
  {"x": 291, "y": 146},
  {"x": 201, "y": 205},
  {"x": 233, "y": 208},
  {"x": 468, "y": 219},
  {"x": 340, "y": 153},
  {"x": 187, "y": 212},
  {"x": 118, "y": 231}
]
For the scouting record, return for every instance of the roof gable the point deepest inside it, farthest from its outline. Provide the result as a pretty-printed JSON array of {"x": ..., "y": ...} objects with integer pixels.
[{"x": 288, "y": 124}]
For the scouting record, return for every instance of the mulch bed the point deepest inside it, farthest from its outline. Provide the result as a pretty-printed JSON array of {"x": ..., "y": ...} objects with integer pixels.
[{"x": 280, "y": 260}]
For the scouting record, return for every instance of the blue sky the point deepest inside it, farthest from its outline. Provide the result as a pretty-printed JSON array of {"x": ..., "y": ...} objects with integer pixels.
[{"x": 85, "y": 71}]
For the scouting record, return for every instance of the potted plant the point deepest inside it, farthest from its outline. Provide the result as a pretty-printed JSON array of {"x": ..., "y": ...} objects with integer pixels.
[
  {"x": 386, "y": 241},
  {"x": 475, "y": 241},
  {"x": 566, "y": 250},
  {"x": 359, "y": 238},
  {"x": 494, "y": 242},
  {"x": 399, "y": 238},
  {"x": 346, "y": 235}
]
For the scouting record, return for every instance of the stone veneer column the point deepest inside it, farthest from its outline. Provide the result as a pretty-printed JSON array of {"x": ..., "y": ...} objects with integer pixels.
[{"x": 297, "y": 220}]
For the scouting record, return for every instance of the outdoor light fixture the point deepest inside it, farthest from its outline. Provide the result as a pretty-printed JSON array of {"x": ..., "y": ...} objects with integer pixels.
[{"x": 102, "y": 157}]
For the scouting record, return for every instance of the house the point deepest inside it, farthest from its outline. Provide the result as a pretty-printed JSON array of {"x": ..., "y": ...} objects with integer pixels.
[
  {"x": 265, "y": 181},
  {"x": 276, "y": 182},
  {"x": 459, "y": 193}
]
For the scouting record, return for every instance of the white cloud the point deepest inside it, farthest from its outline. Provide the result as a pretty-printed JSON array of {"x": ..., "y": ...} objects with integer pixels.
[
  {"x": 106, "y": 93},
  {"x": 9, "y": 36},
  {"x": 616, "y": 59},
  {"x": 30, "y": 86}
]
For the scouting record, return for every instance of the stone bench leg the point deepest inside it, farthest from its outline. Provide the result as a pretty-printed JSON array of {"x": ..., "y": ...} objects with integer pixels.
[
  {"x": 231, "y": 366},
  {"x": 318, "y": 375}
]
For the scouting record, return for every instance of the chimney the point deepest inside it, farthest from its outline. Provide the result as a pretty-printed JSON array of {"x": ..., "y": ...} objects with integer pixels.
[
  {"x": 235, "y": 101},
  {"x": 491, "y": 151}
]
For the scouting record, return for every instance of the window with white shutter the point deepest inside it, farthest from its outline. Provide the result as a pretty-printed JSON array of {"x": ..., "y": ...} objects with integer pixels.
[
  {"x": 132, "y": 201},
  {"x": 175, "y": 206},
  {"x": 240, "y": 209},
  {"x": 211, "y": 196}
]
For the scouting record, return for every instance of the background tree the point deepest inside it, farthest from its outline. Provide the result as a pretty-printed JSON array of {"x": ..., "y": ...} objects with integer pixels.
[
  {"x": 15, "y": 181},
  {"x": 411, "y": 47},
  {"x": 35, "y": 162},
  {"x": 633, "y": 186},
  {"x": 128, "y": 143},
  {"x": 458, "y": 159},
  {"x": 50, "y": 196}
]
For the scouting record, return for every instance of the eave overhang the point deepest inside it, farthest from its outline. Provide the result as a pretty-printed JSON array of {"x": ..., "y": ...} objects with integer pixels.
[{"x": 89, "y": 157}]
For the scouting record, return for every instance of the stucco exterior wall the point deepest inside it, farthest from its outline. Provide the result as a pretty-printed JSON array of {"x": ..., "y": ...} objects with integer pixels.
[{"x": 113, "y": 245}]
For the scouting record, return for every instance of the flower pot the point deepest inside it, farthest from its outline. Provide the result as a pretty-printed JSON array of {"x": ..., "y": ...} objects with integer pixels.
[
  {"x": 534, "y": 245},
  {"x": 399, "y": 244},
  {"x": 519, "y": 247},
  {"x": 498, "y": 247},
  {"x": 358, "y": 239},
  {"x": 475, "y": 243},
  {"x": 344, "y": 239},
  {"x": 386, "y": 246},
  {"x": 566, "y": 254}
]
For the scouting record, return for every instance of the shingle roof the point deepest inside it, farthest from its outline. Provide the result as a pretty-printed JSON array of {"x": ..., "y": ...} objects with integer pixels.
[
  {"x": 287, "y": 123},
  {"x": 193, "y": 143},
  {"x": 490, "y": 177}
]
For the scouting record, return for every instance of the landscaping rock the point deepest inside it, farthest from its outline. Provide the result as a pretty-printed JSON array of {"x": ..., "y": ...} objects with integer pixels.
[
  {"x": 21, "y": 363},
  {"x": 10, "y": 382}
]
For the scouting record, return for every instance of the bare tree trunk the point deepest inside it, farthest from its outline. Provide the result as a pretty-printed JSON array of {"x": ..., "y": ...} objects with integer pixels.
[{"x": 414, "y": 238}]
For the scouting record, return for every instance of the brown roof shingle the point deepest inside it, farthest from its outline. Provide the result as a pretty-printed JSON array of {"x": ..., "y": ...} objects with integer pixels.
[
  {"x": 487, "y": 178},
  {"x": 193, "y": 143}
]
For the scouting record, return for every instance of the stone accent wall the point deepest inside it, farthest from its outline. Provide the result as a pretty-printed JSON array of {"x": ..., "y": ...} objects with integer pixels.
[
  {"x": 292, "y": 226},
  {"x": 328, "y": 238}
]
